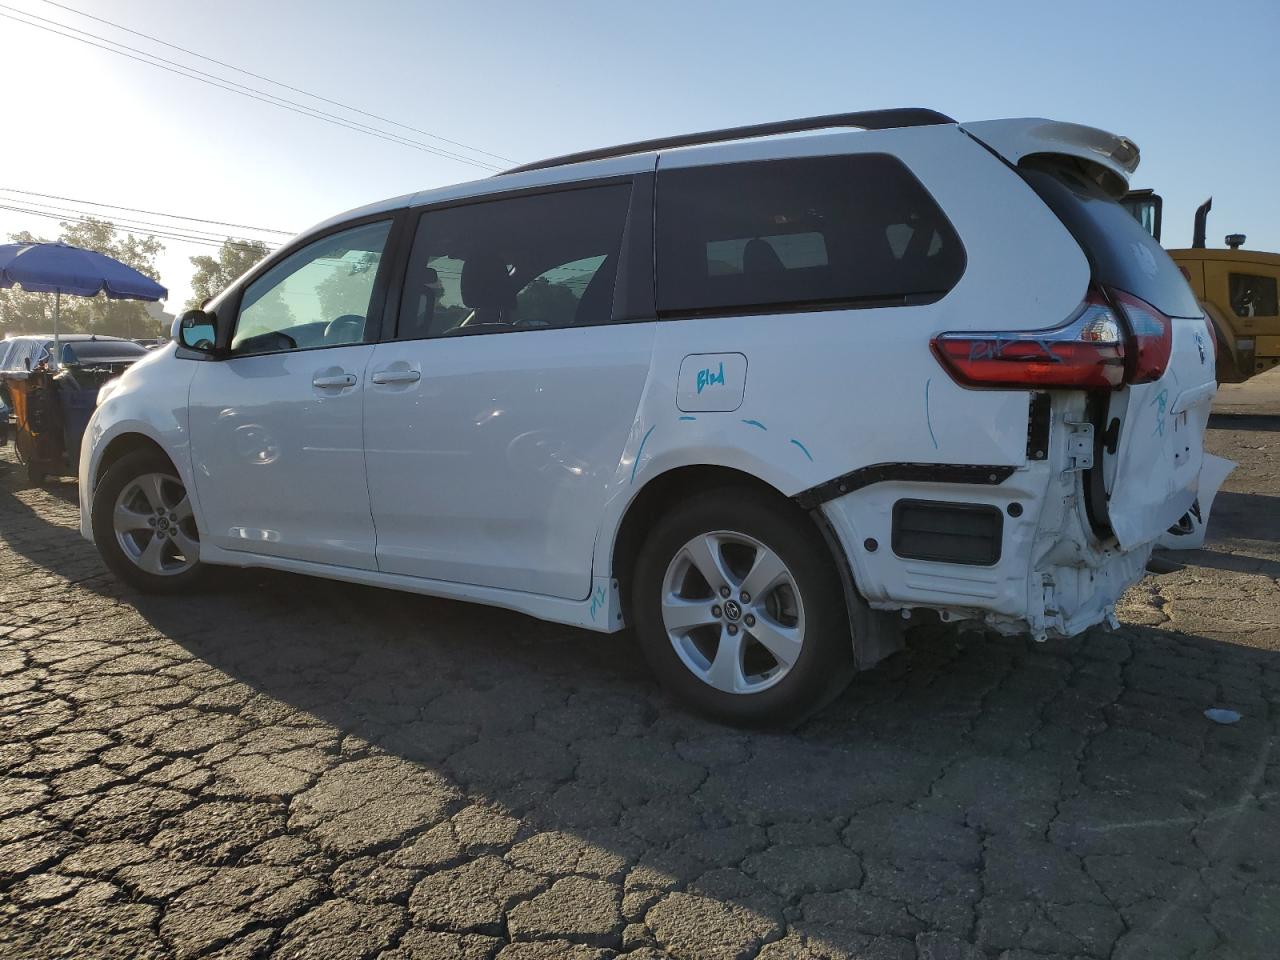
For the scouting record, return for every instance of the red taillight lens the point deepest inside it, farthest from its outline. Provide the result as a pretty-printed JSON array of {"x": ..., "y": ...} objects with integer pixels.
[
  {"x": 1150, "y": 338},
  {"x": 1087, "y": 353}
]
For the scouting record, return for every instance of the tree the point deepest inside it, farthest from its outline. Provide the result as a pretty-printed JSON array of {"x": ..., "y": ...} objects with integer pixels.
[
  {"x": 25, "y": 312},
  {"x": 552, "y": 303},
  {"x": 215, "y": 274},
  {"x": 347, "y": 288}
]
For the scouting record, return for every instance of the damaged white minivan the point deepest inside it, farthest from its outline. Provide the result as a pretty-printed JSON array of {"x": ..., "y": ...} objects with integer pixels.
[{"x": 758, "y": 397}]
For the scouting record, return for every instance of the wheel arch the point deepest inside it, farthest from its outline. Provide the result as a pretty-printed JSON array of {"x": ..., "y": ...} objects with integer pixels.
[
  {"x": 876, "y": 633},
  {"x": 663, "y": 491},
  {"x": 120, "y": 447}
]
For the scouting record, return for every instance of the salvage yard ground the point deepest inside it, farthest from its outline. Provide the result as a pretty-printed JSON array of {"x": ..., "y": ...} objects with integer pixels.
[{"x": 291, "y": 765}]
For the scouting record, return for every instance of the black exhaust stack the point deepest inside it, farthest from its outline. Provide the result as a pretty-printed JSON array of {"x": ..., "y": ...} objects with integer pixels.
[{"x": 1202, "y": 222}]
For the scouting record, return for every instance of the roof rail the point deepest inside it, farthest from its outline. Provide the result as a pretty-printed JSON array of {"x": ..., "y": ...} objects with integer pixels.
[{"x": 864, "y": 120}]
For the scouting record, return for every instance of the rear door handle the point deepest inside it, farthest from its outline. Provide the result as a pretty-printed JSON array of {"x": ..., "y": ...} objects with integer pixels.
[
  {"x": 338, "y": 380},
  {"x": 397, "y": 376}
]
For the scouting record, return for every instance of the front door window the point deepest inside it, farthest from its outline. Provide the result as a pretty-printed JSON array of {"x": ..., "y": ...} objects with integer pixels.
[{"x": 318, "y": 297}]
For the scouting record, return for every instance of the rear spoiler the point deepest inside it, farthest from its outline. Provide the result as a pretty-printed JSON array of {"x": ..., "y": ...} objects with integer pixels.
[{"x": 1111, "y": 159}]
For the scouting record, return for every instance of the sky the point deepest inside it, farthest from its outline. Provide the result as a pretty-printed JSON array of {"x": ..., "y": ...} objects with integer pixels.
[{"x": 1194, "y": 84}]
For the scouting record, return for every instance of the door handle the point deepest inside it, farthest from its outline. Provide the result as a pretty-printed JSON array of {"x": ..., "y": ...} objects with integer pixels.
[
  {"x": 339, "y": 380},
  {"x": 397, "y": 376}
]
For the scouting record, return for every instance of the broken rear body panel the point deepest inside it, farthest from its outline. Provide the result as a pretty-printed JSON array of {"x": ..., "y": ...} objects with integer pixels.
[{"x": 1104, "y": 476}]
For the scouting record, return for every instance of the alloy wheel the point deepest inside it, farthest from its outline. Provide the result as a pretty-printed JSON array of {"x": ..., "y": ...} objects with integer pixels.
[
  {"x": 732, "y": 612},
  {"x": 155, "y": 526}
]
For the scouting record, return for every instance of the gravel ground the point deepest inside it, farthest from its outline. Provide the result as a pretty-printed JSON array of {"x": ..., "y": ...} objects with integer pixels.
[{"x": 293, "y": 767}]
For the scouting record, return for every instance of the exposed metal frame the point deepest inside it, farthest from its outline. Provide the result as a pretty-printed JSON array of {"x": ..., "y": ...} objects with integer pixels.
[{"x": 862, "y": 120}]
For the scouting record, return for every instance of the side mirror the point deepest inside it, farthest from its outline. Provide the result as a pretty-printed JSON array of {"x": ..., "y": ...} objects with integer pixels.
[{"x": 196, "y": 330}]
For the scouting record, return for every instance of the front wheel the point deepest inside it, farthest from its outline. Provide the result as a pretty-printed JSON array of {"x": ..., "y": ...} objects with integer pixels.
[
  {"x": 144, "y": 526},
  {"x": 740, "y": 611}
]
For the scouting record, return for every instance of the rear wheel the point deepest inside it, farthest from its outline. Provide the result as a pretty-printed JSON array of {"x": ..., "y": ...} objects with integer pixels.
[
  {"x": 144, "y": 526},
  {"x": 740, "y": 611}
]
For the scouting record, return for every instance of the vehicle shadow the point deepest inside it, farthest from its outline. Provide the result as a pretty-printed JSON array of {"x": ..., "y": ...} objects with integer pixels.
[
  {"x": 1246, "y": 523},
  {"x": 1244, "y": 421},
  {"x": 967, "y": 763},
  {"x": 970, "y": 786}
]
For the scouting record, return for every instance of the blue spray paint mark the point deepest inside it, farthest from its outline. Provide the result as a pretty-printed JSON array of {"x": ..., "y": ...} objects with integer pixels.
[
  {"x": 597, "y": 600},
  {"x": 688, "y": 418},
  {"x": 636, "y": 463},
  {"x": 928, "y": 419},
  {"x": 805, "y": 449},
  {"x": 755, "y": 423}
]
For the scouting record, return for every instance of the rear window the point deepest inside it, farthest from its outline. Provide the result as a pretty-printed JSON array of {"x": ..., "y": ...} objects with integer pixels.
[
  {"x": 1121, "y": 252},
  {"x": 95, "y": 351},
  {"x": 800, "y": 234}
]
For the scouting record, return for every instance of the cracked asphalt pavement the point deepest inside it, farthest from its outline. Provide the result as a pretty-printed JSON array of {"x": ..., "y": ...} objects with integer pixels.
[{"x": 297, "y": 768}]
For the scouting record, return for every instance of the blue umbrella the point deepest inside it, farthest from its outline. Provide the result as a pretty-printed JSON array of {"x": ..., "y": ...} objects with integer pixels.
[{"x": 59, "y": 268}]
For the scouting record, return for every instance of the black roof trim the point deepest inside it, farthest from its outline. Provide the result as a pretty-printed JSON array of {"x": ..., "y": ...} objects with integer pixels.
[{"x": 864, "y": 120}]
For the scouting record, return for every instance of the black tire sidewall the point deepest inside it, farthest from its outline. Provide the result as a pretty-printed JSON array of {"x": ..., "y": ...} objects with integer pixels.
[
  {"x": 825, "y": 664},
  {"x": 120, "y": 473}
]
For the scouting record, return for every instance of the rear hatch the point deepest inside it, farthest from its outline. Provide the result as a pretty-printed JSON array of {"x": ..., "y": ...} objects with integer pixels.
[{"x": 1149, "y": 433}]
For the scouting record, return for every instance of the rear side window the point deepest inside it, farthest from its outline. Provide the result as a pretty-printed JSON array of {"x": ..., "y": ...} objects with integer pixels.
[
  {"x": 800, "y": 234},
  {"x": 1121, "y": 252},
  {"x": 1253, "y": 296},
  {"x": 515, "y": 263}
]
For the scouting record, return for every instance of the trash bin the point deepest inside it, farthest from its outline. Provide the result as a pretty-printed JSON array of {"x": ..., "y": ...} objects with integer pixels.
[
  {"x": 37, "y": 419},
  {"x": 77, "y": 405}
]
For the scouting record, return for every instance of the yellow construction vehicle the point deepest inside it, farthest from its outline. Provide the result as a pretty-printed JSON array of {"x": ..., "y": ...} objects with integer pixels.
[{"x": 1237, "y": 289}]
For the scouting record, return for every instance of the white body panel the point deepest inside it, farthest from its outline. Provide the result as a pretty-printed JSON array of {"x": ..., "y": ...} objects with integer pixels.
[
  {"x": 491, "y": 469},
  {"x": 846, "y": 389},
  {"x": 504, "y": 472},
  {"x": 278, "y": 461},
  {"x": 149, "y": 400},
  {"x": 1161, "y": 447}
]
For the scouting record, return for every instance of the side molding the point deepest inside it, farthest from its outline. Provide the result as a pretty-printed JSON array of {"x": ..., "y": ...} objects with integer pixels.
[{"x": 981, "y": 474}]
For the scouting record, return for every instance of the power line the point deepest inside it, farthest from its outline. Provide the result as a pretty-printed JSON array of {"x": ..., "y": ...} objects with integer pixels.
[
  {"x": 231, "y": 86},
  {"x": 193, "y": 74},
  {"x": 150, "y": 213},
  {"x": 164, "y": 231},
  {"x": 278, "y": 83},
  {"x": 144, "y": 233},
  {"x": 217, "y": 236}
]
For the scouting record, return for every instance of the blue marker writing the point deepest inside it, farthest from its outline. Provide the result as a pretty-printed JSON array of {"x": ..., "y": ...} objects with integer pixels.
[
  {"x": 1161, "y": 402},
  {"x": 709, "y": 378}
]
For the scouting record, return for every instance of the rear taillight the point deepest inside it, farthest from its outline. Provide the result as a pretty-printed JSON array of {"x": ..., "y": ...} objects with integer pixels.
[
  {"x": 1150, "y": 338},
  {"x": 1086, "y": 353}
]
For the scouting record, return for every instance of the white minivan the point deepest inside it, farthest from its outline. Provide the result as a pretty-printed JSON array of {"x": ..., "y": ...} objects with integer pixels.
[{"x": 759, "y": 397}]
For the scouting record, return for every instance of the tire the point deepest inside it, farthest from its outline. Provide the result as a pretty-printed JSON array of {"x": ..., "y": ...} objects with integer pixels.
[
  {"x": 146, "y": 550},
  {"x": 750, "y": 685}
]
